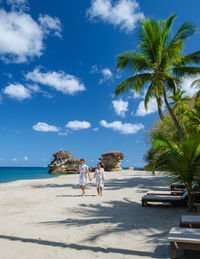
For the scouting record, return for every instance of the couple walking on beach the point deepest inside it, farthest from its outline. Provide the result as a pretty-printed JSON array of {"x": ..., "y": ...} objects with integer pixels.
[{"x": 99, "y": 174}]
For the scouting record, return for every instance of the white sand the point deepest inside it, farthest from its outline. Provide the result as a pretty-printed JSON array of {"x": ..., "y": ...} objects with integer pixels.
[{"x": 47, "y": 218}]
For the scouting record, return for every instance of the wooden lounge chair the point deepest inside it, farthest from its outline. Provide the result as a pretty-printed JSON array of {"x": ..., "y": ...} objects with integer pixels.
[
  {"x": 183, "y": 238},
  {"x": 174, "y": 200},
  {"x": 190, "y": 221},
  {"x": 165, "y": 192},
  {"x": 177, "y": 186}
]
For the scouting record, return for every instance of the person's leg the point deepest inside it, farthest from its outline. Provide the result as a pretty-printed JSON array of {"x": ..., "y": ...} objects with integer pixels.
[
  {"x": 100, "y": 191},
  {"x": 83, "y": 190}
]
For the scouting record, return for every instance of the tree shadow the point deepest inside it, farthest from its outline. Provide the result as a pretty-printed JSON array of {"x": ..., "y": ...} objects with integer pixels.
[
  {"x": 158, "y": 253},
  {"x": 122, "y": 216},
  {"x": 52, "y": 185},
  {"x": 142, "y": 183},
  {"x": 86, "y": 195}
]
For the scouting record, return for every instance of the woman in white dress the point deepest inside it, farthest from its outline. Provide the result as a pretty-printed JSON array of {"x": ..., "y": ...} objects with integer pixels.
[
  {"x": 83, "y": 173},
  {"x": 99, "y": 174}
]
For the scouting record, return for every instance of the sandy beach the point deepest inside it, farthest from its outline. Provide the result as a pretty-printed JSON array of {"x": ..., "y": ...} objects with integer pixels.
[{"x": 47, "y": 218}]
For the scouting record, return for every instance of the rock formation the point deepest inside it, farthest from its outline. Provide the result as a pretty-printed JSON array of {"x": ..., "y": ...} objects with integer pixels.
[
  {"x": 63, "y": 163},
  {"x": 111, "y": 160}
]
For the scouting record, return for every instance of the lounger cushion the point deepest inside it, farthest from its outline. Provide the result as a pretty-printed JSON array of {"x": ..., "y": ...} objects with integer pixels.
[
  {"x": 162, "y": 198},
  {"x": 189, "y": 235}
]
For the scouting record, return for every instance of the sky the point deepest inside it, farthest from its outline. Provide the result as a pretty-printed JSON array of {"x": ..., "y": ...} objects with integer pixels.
[{"x": 58, "y": 77}]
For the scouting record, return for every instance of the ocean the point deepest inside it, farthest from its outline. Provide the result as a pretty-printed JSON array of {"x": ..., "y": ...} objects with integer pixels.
[{"x": 8, "y": 174}]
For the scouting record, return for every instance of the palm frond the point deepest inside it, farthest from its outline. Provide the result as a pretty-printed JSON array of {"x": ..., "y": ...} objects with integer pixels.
[
  {"x": 186, "y": 71},
  {"x": 135, "y": 82},
  {"x": 193, "y": 58}
]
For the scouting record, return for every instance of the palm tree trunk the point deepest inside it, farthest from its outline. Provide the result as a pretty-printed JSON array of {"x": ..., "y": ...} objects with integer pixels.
[
  {"x": 191, "y": 197},
  {"x": 172, "y": 114}
]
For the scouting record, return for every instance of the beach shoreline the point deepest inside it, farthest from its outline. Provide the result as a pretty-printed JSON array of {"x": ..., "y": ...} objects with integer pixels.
[{"x": 47, "y": 218}]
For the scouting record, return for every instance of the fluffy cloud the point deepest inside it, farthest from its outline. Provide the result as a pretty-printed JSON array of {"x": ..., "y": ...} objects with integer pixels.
[
  {"x": 120, "y": 107},
  {"x": 124, "y": 13},
  {"x": 126, "y": 128},
  {"x": 49, "y": 24},
  {"x": 106, "y": 73},
  {"x": 17, "y": 91},
  {"x": 95, "y": 129},
  {"x": 18, "y": 4},
  {"x": 44, "y": 127},
  {"x": 78, "y": 125},
  {"x": 65, "y": 83},
  {"x": 15, "y": 159},
  {"x": 152, "y": 107},
  {"x": 22, "y": 36},
  {"x": 64, "y": 133},
  {"x": 186, "y": 85}
]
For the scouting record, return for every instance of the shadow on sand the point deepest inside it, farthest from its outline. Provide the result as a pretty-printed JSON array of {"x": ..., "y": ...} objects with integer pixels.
[{"x": 155, "y": 254}]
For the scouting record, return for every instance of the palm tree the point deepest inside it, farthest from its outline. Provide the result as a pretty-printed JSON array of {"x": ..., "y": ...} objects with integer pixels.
[
  {"x": 193, "y": 119},
  {"x": 179, "y": 101},
  {"x": 196, "y": 83},
  {"x": 159, "y": 63},
  {"x": 180, "y": 104},
  {"x": 183, "y": 163}
]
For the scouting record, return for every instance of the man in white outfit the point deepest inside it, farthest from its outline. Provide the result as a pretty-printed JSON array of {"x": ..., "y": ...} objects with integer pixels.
[{"x": 84, "y": 172}]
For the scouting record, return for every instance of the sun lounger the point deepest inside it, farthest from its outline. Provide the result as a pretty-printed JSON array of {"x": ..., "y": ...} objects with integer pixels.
[
  {"x": 183, "y": 238},
  {"x": 165, "y": 192},
  {"x": 177, "y": 186},
  {"x": 174, "y": 200},
  {"x": 163, "y": 197},
  {"x": 190, "y": 221}
]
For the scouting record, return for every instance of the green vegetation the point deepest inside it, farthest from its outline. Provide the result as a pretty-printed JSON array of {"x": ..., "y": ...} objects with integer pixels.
[
  {"x": 160, "y": 66},
  {"x": 182, "y": 162}
]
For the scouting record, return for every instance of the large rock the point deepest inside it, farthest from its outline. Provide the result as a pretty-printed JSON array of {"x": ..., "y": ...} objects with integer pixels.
[
  {"x": 111, "y": 160},
  {"x": 63, "y": 163}
]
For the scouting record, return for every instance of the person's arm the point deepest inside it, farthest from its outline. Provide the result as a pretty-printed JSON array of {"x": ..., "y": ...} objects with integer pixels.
[
  {"x": 95, "y": 172},
  {"x": 104, "y": 176},
  {"x": 89, "y": 175}
]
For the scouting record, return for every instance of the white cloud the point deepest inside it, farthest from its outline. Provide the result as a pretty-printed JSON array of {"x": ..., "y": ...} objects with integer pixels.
[
  {"x": 107, "y": 75},
  {"x": 21, "y": 36},
  {"x": 25, "y": 158},
  {"x": 94, "y": 69},
  {"x": 18, "y": 4},
  {"x": 120, "y": 107},
  {"x": 17, "y": 91},
  {"x": 44, "y": 127},
  {"x": 124, "y": 13},
  {"x": 152, "y": 107},
  {"x": 63, "y": 133},
  {"x": 126, "y": 128},
  {"x": 49, "y": 24},
  {"x": 36, "y": 89},
  {"x": 65, "y": 83},
  {"x": 95, "y": 129},
  {"x": 186, "y": 85},
  {"x": 78, "y": 125},
  {"x": 15, "y": 159}
]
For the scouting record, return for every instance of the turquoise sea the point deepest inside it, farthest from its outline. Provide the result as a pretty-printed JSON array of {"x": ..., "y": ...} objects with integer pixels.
[{"x": 8, "y": 174}]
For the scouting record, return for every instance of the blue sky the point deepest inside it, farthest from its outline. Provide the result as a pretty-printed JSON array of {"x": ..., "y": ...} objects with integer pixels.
[{"x": 58, "y": 77}]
